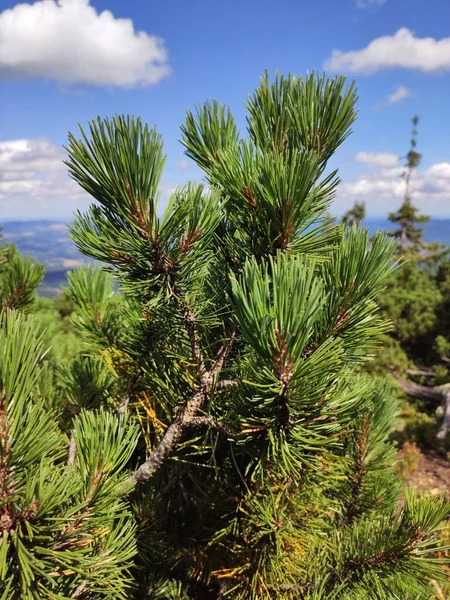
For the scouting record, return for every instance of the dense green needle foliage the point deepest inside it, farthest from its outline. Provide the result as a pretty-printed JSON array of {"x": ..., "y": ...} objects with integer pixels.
[{"x": 213, "y": 437}]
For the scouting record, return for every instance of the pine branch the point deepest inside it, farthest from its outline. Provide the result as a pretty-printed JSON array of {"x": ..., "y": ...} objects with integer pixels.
[
  {"x": 361, "y": 471},
  {"x": 188, "y": 415}
]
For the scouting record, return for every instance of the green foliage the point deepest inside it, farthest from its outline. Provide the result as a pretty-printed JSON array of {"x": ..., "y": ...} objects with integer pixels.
[
  {"x": 64, "y": 526},
  {"x": 411, "y": 300},
  {"x": 221, "y": 441},
  {"x": 19, "y": 277},
  {"x": 409, "y": 233},
  {"x": 91, "y": 292},
  {"x": 85, "y": 382}
]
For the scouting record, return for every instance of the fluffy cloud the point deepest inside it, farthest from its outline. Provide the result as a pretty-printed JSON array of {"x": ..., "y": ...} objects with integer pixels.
[
  {"x": 34, "y": 183},
  {"x": 369, "y": 3},
  {"x": 400, "y": 93},
  {"x": 382, "y": 187},
  {"x": 381, "y": 159},
  {"x": 401, "y": 50},
  {"x": 68, "y": 41}
]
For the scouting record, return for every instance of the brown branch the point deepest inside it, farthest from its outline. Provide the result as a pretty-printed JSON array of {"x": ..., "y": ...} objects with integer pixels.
[
  {"x": 170, "y": 438},
  {"x": 421, "y": 392},
  {"x": 122, "y": 408},
  {"x": 445, "y": 425},
  {"x": 439, "y": 591},
  {"x": 187, "y": 417},
  {"x": 436, "y": 394}
]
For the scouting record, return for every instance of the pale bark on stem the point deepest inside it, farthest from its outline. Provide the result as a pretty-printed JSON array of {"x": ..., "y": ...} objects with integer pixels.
[
  {"x": 226, "y": 384},
  {"x": 72, "y": 449}
]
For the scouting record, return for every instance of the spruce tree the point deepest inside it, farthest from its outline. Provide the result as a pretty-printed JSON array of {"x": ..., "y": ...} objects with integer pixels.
[{"x": 221, "y": 440}]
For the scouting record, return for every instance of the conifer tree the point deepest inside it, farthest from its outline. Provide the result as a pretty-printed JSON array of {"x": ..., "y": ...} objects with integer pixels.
[
  {"x": 226, "y": 445},
  {"x": 355, "y": 215},
  {"x": 409, "y": 235},
  {"x": 414, "y": 302}
]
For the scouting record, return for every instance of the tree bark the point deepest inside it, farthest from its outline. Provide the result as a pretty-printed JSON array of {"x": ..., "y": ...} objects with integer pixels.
[{"x": 439, "y": 394}]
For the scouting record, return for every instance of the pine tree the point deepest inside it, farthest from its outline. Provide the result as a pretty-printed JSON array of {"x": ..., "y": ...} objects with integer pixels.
[
  {"x": 223, "y": 443},
  {"x": 409, "y": 236},
  {"x": 355, "y": 215}
]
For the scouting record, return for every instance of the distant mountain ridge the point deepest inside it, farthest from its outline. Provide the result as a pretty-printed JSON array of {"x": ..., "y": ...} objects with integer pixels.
[
  {"x": 436, "y": 230},
  {"x": 49, "y": 242}
]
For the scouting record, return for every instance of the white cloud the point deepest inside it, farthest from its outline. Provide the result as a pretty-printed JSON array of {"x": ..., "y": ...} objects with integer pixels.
[
  {"x": 401, "y": 50},
  {"x": 34, "y": 181},
  {"x": 400, "y": 93},
  {"x": 183, "y": 164},
  {"x": 369, "y": 3},
  {"x": 68, "y": 41},
  {"x": 378, "y": 160},
  {"x": 383, "y": 188}
]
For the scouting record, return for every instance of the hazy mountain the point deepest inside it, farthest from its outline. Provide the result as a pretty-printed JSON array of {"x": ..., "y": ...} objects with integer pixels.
[
  {"x": 436, "y": 230},
  {"x": 48, "y": 241}
]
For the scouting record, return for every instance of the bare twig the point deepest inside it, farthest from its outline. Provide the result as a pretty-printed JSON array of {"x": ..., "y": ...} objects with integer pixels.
[
  {"x": 170, "y": 438},
  {"x": 439, "y": 591},
  {"x": 421, "y": 392},
  {"x": 445, "y": 425}
]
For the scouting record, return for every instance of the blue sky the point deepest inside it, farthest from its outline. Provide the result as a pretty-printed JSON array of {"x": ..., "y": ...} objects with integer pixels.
[{"x": 65, "y": 62}]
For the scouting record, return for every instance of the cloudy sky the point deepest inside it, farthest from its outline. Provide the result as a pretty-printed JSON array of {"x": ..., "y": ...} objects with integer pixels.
[{"x": 63, "y": 62}]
